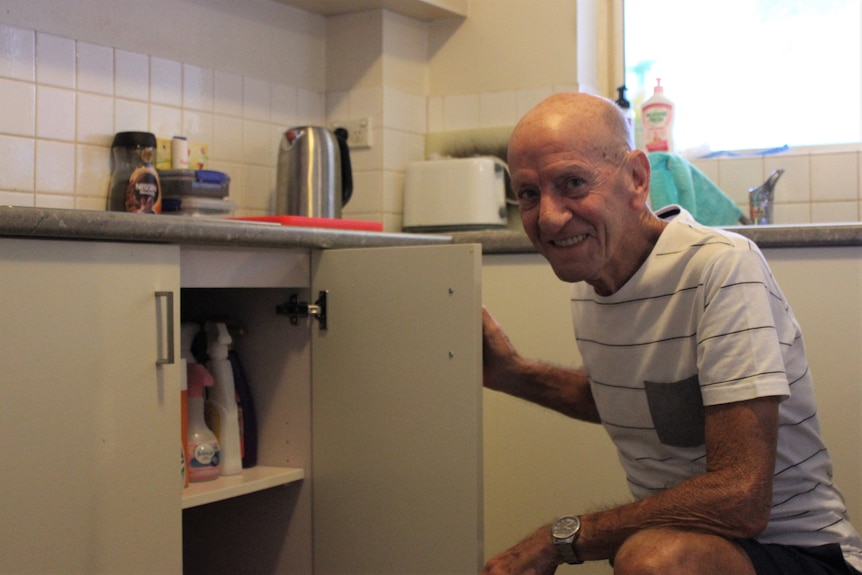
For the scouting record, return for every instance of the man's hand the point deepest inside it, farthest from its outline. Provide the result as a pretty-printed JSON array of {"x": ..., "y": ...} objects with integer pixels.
[{"x": 535, "y": 555}]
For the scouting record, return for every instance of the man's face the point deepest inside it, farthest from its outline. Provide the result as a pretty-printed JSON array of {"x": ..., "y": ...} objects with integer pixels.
[{"x": 576, "y": 204}]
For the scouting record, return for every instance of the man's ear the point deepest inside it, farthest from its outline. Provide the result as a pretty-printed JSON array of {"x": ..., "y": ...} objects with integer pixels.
[{"x": 639, "y": 171}]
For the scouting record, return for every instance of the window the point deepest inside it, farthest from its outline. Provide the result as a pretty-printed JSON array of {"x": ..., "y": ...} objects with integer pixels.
[{"x": 749, "y": 74}]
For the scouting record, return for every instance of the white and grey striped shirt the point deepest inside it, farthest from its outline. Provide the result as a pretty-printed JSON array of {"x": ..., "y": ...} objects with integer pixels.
[{"x": 701, "y": 323}]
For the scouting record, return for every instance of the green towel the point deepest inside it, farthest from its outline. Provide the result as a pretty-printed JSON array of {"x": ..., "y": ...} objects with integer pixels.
[{"x": 675, "y": 180}]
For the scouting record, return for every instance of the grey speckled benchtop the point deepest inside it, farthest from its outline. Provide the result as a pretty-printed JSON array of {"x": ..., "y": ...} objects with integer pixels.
[{"x": 115, "y": 226}]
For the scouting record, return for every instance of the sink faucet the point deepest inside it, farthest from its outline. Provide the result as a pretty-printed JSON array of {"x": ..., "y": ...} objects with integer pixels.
[{"x": 761, "y": 198}]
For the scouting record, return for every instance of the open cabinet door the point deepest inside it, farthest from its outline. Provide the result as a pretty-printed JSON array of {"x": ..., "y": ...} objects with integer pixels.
[{"x": 397, "y": 411}]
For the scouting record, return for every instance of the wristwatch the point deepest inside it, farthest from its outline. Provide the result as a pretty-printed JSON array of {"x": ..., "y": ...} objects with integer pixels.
[{"x": 565, "y": 533}]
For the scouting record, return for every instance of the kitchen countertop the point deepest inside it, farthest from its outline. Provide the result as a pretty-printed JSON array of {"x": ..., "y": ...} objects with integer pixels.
[{"x": 118, "y": 226}]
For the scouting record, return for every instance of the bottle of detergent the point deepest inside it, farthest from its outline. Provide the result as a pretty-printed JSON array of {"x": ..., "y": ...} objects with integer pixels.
[
  {"x": 222, "y": 411},
  {"x": 629, "y": 114},
  {"x": 204, "y": 452},
  {"x": 657, "y": 117}
]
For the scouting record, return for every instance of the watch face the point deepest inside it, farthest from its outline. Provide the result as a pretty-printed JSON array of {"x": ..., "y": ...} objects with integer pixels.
[{"x": 565, "y": 527}]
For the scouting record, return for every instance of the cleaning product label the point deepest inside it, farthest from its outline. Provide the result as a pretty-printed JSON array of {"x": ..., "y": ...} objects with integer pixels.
[
  {"x": 205, "y": 455},
  {"x": 657, "y": 120}
]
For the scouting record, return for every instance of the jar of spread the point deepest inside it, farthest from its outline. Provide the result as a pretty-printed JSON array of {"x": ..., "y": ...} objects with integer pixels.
[{"x": 135, "y": 183}]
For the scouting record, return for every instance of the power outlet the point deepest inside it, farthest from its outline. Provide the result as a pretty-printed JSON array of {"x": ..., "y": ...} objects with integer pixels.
[{"x": 358, "y": 132}]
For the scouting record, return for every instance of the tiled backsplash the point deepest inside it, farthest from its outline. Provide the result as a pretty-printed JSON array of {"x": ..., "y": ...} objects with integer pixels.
[{"x": 64, "y": 100}]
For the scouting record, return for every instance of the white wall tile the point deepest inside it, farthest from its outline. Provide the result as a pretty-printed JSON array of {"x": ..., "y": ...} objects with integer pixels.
[
  {"x": 166, "y": 121},
  {"x": 498, "y": 109},
  {"x": 52, "y": 201},
  {"x": 528, "y": 98},
  {"x": 256, "y": 144},
  {"x": 131, "y": 116},
  {"x": 227, "y": 94},
  {"x": 24, "y": 199},
  {"x": 17, "y": 163},
  {"x": 92, "y": 173},
  {"x": 198, "y": 88},
  {"x": 835, "y": 177},
  {"x": 198, "y": 127},
  {"x": 283, "y": 105},
  {"x": 55, "y": 113},
  {"x": 368, "y": 102},
  {"x": 17, "y": 53},
  {"x": 227, "y": 139},
  {"x": 737, "y": 175},
  {"x": 310, "y": 108},
  {"x": 461, "y": 112},
  {"x": 18, "y": 112},
  {"x": 403, "y": 111},
  {"x": 55, "y": 162},
  {"x": 95, "y": 119},
  {"x": 791, "y": 213},
  {"x": 131, "y": 75},
  {"x": 794, "y": 185},
  {"x": 827, "y": 212},
  {"x": 255, "y": 99},
  {"x": 55, "y": 60},
  {"x": 434, "y": 108},
  {"x": 166, "y": 80},
  {"x": 257, "y": 189},
  {"x": 95, "y": 68}
]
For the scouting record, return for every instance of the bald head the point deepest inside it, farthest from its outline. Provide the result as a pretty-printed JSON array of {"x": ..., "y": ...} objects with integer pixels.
[{"x": 577, "y": 116}]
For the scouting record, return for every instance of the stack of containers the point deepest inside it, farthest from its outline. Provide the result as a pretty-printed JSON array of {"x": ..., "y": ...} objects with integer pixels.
[{"x": 195, "y": 193}]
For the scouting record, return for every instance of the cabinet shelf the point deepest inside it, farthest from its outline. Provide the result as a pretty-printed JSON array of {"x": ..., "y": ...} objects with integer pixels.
[{"x": 251, "y": 480}]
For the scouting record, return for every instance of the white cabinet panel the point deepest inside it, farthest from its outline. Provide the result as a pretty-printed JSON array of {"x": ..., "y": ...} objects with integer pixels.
[
  {"x": 89, "y": 424},
  {"x": 397, "y": 407}
]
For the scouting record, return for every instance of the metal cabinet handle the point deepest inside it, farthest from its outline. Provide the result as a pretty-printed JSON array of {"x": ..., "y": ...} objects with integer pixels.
[{"x": 165, "y": 321}]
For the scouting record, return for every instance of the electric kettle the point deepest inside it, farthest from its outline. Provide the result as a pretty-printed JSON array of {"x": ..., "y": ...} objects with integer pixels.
[{"x": 314, "y": 175}]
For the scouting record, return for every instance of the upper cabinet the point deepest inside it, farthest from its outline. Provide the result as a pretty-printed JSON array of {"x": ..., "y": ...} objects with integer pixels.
[{"x": 420, "y": 9}]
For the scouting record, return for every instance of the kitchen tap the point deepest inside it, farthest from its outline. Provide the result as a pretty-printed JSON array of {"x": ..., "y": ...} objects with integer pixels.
[{"x": 761, "y": 199}]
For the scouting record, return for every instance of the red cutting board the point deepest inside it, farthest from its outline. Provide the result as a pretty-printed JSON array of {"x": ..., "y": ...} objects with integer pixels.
[{"x": 305, "y": 222}]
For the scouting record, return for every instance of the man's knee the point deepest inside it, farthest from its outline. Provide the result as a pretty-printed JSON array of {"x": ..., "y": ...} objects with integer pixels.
[{"x": 667, "y": 551}]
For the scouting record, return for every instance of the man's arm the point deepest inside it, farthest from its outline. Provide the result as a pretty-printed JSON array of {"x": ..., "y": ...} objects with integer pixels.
[
  {"x": 564, "y": 390},
  {"x": 732, "y": 499}
]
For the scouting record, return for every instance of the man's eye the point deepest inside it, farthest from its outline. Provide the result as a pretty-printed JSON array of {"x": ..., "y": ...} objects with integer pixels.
[
  {"x": 573, "y": 184},
  {"x": 527, "y": 195}
]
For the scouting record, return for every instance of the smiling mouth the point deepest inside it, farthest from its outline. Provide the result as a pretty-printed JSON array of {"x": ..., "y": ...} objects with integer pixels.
[{"x": 569, "y": 241}]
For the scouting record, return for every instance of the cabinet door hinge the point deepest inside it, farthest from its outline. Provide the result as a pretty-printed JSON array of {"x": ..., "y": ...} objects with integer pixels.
[{"x": 294, "y": 309}]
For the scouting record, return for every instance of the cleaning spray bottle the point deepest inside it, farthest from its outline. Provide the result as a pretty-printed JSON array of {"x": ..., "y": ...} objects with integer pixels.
[
  {"x": 222, "y": 411},
  {"x": 657, "y": 117},
  {"x": 202, "y": 446}
]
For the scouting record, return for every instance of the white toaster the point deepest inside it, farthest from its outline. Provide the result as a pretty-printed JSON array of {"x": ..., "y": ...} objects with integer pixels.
[{"x": 455, "y": 194}]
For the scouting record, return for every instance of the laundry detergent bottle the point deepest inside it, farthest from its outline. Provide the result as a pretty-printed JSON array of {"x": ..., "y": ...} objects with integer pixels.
[{"x": 202, "y": 446}]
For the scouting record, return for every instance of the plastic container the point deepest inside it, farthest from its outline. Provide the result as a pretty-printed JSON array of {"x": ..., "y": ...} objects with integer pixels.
[
  {"x": 657, "y": 118},
  {"x": 222, "y": 404},
  {"x": 135, "y": 185},
  {"x": 192, "y": 206},
  {"x": 197, "y": 183}
]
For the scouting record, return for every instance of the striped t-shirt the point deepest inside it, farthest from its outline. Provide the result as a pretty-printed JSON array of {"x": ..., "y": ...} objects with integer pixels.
[{"x": 703, "y": 322}]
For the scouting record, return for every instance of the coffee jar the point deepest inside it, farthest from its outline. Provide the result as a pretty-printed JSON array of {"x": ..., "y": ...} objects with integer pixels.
[{"x": 135, "y": 183}]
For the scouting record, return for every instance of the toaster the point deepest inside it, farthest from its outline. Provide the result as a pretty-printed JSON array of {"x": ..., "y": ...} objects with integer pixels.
[{"x": 455, "y": 194}]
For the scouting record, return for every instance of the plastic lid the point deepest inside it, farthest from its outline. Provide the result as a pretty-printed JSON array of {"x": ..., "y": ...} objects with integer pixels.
[
  {"x": 621, "y": 98},
  {"x": 198, "y": 379},
  {"x": 658, "y": 87},
  {"x": 134, "y": 140}
]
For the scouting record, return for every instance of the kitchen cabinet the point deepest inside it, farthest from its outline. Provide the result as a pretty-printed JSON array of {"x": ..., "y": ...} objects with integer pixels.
[
  {"x": 369, "y": 429},
  {"x": 89, "y": 417},
  {"x": 425, "y": 10}
]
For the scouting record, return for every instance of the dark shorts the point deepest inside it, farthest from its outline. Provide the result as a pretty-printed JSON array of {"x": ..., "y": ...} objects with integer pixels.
[{"x": 770, "y": 559}]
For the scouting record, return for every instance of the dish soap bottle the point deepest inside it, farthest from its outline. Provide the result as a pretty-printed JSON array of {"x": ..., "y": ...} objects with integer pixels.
[
  {"x": 657, "y": 117},
  {"x": 629, "y": 114}
]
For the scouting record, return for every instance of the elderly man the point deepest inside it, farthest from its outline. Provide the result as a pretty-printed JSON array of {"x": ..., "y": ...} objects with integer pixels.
[{"x": 693, "y": 363}]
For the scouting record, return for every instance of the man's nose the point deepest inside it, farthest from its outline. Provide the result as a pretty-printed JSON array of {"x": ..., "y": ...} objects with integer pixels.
[{"x": 553, "y": 213}]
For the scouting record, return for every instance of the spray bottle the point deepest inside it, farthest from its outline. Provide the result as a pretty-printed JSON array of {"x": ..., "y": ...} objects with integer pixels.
[
  {"x": 222, "y": 408},
  {"x": 204, "y": 453}
]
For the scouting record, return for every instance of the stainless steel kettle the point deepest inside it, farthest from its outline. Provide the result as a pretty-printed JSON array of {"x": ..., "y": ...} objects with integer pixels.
[{"x": 314, "y": 175}]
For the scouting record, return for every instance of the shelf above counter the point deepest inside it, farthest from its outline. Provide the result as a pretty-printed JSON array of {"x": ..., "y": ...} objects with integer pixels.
[{"x": 425, "y": 10}]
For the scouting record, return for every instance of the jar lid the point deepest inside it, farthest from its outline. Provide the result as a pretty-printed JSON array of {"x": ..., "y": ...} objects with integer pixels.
[{"x": 134, "y": 140}]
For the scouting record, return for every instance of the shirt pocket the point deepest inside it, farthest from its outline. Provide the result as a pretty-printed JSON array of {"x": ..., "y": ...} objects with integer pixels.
[{"x": 677, "y": 412}]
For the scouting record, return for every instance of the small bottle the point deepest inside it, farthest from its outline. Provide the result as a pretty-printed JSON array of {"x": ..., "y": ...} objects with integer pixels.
[
  {"x": 629, "y": 114},
  {"x": 135, "y": 183},
  {"x": 179, "y": 153},
  {"x": 657, "y": 117}
]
